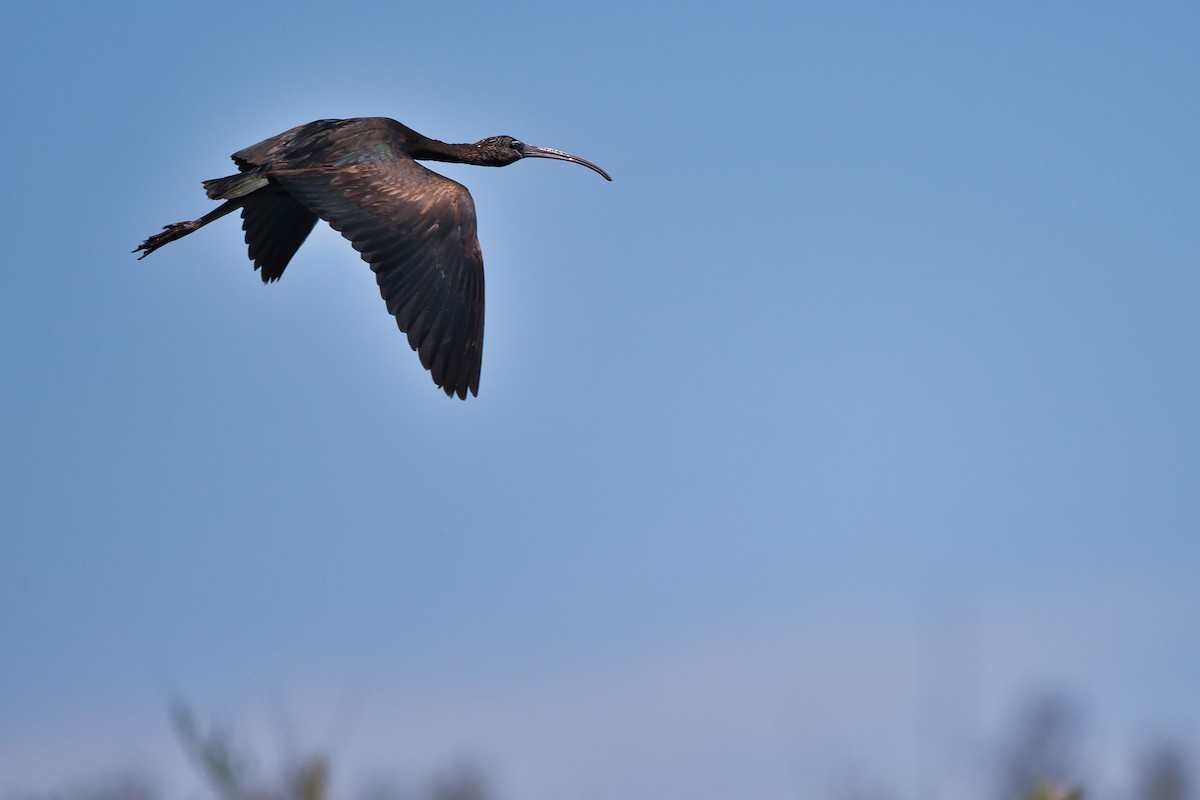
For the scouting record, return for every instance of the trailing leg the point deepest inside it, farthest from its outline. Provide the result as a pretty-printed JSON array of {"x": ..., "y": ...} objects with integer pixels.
[{"x": 177, "y": 230}]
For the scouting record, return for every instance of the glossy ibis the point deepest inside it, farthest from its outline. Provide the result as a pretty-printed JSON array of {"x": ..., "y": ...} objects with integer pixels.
[{"x": 414, "y": 227}]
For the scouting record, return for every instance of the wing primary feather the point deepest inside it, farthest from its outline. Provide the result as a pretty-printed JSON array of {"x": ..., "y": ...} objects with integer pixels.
[{"x": 276, "y": 226}]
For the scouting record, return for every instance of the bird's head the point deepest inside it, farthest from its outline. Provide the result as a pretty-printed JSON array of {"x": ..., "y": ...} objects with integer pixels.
[{"x": 500, "y": 151}]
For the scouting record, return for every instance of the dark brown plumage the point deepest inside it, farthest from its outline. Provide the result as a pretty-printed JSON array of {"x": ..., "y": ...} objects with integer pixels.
[{"x": 414, "y": 227}]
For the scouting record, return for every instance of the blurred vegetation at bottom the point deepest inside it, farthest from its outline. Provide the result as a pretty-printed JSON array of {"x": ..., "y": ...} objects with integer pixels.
[
  {"x": 1038, "y": 762},
  {"x": 227, "y": 771}
]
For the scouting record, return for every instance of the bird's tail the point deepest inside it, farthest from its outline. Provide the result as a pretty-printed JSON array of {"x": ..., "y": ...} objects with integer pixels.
[
  {"x": 234, "y": 186},
  {"x": 177, "y": 230}
]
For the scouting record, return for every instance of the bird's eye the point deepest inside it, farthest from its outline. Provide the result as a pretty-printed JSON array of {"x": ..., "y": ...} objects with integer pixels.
[{"x": 516, "y": 144}]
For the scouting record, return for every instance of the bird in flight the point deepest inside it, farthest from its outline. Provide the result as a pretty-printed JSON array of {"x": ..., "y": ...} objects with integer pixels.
[{"x": 415, "y": 228}]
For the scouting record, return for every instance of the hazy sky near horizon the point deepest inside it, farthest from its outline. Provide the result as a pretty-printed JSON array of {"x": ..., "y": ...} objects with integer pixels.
[{"x": 859, "y": 407}]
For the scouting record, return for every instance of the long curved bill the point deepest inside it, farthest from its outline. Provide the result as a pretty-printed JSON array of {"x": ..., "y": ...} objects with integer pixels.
[{"x": 533, "y": 151}]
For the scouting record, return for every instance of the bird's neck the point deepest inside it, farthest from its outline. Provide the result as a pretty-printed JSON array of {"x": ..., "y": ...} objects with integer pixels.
[{"x": 433, "y": 150}]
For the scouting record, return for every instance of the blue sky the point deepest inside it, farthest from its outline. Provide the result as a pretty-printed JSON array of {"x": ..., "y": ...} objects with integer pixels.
[{"x": 858, "y": 408}]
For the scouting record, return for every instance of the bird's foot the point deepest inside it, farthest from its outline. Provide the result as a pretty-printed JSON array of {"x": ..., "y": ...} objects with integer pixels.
[{"x": 170, "y": 233}]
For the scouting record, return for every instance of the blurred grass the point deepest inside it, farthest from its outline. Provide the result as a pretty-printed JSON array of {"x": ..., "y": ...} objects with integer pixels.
[
  {"x": 227, "y": 769},
  {"x": 1047, "y": 791},
  {"x": 308, "y": 779},
  {"x": 1038, "y": 760}
]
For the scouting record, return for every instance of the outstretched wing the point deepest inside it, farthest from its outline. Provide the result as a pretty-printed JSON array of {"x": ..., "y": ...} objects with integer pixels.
[{"x": 417, "y": 231}]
